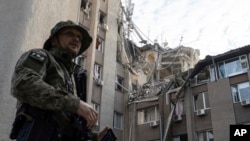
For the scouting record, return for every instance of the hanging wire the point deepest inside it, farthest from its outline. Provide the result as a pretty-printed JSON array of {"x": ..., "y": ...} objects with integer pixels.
[{"x": 135, "y": 26}]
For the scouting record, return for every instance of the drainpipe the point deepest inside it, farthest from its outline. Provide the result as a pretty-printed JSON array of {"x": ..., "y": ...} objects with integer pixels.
[{"x": 160, "y": 128}]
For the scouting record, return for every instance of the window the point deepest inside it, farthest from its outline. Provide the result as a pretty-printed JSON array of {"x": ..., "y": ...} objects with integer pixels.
[
  {"x": 233, "y": 66},
  {"x": 97, "y": 71},
  {"x": 181, "y": 138},
  {"x": 147, "y": 115},
  {"x": 83, "y": 3},
  {"x": 119, "y": 83},
  {"x": 134, "y": 87},
  {"x": 80, "y": 60},
  {"x": 118, "y": 120},
  {"x": 97, "y": 108},
  {"x": 203, "y": 76},
  {"x": 99, "y": 44},
  {"x": 86, "y": 7},
  {"x": 205, "y": 136},
  {"x": 240, "y": 91},
  {"x": 101, "y": 18},
  {"x": 201, "y": 101},
  {"x": 179, "y": 107}
]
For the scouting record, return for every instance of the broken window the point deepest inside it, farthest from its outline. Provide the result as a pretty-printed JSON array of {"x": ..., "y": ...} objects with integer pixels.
[
  {"x": 179, "y": 108},
  {"x": 97, "y": 71},
  {"x": 99, "y": 44},
  {"x": 147, "y": 115},
  {"x": 201, "y": 101},
  {"x": 101, "y": 18},
  {"x": 240, "y": 91},
  {"x": 203, "y": 76},
  {"x": 118, "y": 120},
  {"x": 86, "y": 7},
  {"x": 119, "y": 83},
  {"x": 233, "y": 66},
  {"x": 84, "y": 4}
]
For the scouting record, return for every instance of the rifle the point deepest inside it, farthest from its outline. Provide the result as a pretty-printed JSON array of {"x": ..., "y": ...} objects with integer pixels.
[
  {"x": 81, "y": 88},
  {"x": 81, "y": 83}
]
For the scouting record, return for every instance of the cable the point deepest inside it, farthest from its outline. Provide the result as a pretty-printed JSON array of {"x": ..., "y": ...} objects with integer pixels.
[{"x": 135, "y": 26}]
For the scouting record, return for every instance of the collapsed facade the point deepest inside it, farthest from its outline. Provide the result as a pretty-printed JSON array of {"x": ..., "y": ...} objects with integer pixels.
[
  {"x": 147, "y": 109},
  {"x": 202, "y": 106}
]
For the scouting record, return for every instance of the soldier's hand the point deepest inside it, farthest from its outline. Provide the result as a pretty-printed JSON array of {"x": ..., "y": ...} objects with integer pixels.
[{"x": 88, "y": 113}]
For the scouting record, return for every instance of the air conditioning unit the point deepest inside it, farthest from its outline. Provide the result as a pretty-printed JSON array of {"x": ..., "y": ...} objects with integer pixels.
[
  {"x": 105, "y": 27},
  {"x": 245, "y": 102},
  {"x": 153, "y": 123},
  {"x": 99, "y": 82},
  {"x": 201, "y": 112},
  {"x": 177, "y": 118}
]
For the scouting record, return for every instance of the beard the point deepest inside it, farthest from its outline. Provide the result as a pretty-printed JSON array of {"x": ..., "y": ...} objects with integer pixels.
[{"x": 72, "y": 52}]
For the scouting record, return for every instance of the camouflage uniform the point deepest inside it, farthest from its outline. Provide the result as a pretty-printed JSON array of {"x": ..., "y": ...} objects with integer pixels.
[
  {"x": 39, "y": 80},
  {"x": 43, "y": 78}
]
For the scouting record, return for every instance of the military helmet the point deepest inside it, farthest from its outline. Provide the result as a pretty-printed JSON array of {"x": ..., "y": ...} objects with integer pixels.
[{"x": 86, "y": 41}]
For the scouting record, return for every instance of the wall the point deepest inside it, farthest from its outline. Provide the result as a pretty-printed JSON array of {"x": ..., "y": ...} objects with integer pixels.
[
  {"x": 109, "y": 66},
  {"x": 221, "y": 105},
  {"x": 24, "y": 25}
]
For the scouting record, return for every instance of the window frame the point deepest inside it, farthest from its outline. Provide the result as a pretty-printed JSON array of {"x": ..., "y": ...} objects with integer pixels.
[
  {"x": 96, "y": 71},
  {"x": 100, "y": 44},
  {"x": 101, "y": 18},
  {"x": 205, "y": 101},
  {"x": 224, "y": 66},
  {"x": 117, "y": 86},
  {"x": 238, "y": 94},
  {"x": 206, "y": 135},
  {"x": 118, "y": 120},
  {"x": 141, "y": 115},
  {"x": 80, "y": 60}
]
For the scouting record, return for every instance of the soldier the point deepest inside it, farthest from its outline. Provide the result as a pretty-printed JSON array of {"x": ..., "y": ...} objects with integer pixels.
[{"x": 43, "y": 84}]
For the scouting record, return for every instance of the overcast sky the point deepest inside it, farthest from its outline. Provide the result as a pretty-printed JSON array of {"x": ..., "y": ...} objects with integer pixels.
[{"x": 213, "y": 26}]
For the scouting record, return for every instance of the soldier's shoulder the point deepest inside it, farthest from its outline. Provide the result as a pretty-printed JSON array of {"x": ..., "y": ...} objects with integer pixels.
[
  {"x": 38, "y": 50},
  {"x": 37, "y": 54}
]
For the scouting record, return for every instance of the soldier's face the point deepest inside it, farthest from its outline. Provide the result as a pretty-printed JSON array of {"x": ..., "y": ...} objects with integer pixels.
[{"x": 70, "y": 39}]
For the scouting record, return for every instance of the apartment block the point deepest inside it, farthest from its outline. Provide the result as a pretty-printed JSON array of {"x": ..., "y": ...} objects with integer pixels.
[
  {"x": 27, "y": 25},
  {"x": 215, "y": 96}
]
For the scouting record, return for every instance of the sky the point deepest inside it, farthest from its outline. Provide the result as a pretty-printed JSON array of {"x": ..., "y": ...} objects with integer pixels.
[{"x": 212, "y": 26}]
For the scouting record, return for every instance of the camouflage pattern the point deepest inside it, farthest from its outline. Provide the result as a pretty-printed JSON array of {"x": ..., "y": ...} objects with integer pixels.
[
  {"x": 87, "y": 39},
  {"x": 40, "y": 79}
]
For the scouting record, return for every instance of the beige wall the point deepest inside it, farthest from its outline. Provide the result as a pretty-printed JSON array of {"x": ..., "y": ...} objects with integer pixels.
[{"x": 24, "y": 25}]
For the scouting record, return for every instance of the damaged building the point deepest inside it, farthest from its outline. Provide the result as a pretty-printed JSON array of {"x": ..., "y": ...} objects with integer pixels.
[
  {"x": 144, "y": 93},
  {"x": 211, "y": 97},
  {"x": 152, "y": 78}
]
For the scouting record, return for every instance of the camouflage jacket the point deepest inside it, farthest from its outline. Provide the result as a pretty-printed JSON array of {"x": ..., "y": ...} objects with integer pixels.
[{"x": 44, "y": 79}]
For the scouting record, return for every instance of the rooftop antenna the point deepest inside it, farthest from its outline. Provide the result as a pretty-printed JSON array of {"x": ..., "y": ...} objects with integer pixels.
[
  {"x": 181, "y": 40},
  {"x": 149, "y": 31}
]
